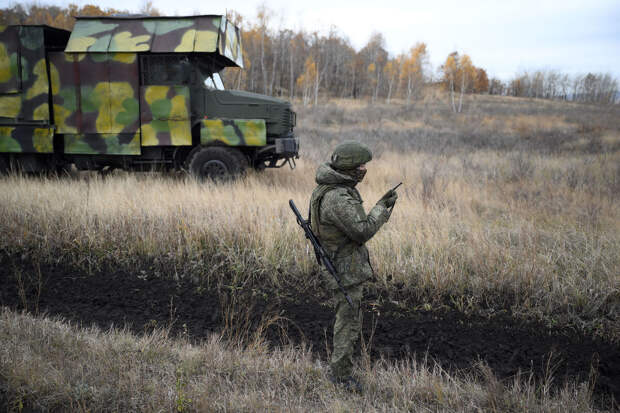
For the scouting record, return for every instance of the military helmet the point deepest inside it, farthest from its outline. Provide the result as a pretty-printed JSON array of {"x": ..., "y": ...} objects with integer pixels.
[{"x": 350, "y": 155}]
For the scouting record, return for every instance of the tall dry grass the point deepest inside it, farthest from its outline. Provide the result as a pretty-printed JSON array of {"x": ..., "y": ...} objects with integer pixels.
[
  {"x": 510, "y": 206},
  {"x": 534, "y": 235},
  {"x": 50, "y": 365}
]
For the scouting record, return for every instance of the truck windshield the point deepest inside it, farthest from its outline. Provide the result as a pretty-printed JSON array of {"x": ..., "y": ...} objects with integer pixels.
[
  {"x": 206, "y": 75},
  {"x": 214, "y": 82},
  {"x": 178, "y": 69}
]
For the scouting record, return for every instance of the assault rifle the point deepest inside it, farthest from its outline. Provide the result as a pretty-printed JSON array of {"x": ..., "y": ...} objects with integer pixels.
[{"x": 321, "y": 255}]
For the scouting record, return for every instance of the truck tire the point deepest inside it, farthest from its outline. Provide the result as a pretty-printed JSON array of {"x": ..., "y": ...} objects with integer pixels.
[{"x": 216, "y": 162}]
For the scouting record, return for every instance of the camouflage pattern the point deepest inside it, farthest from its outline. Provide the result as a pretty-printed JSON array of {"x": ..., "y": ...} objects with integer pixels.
[
  {"x": 230, "y": 43},
  {"x": 165, "y": 115},
  {"x": 95, "y": 93},
  {"x": 347, "y": 331},
  {"x": 10, "y": 81},
  {"x": 339, "y": 220},
  {"x": 96, "y": 102},
  {"x": 98, "y": 106},
  {"x": 26, "y": 139},
  {"x": 341, "y": 224},
  {"x": 350, "y": 155},
  {"x": 103, "y": 144},
  {"x": 234, "y": 132},
  {"x": 202, "y": 34},
  {"x": 24, "y": 88}
]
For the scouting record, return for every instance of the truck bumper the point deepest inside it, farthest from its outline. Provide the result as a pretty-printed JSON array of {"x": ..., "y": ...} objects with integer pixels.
[{"x": 287, "y": 147}]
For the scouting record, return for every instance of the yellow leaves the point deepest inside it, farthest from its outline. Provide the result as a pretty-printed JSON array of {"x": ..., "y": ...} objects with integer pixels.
[
  {"x": 308, "y": 76},
  {"x": 469, "y": 70},
  {"x": 391, "y": 68},
  {"x": 450, "y": 66},
  {"x": 301, "y": 80},
  {"x": 481, "y": 82},
  {"x": 412, "y": 62},
  {"x": 459, "y": 72},
  {"x": 310, "y": 67},
  {"x": 418, "y": 51}
]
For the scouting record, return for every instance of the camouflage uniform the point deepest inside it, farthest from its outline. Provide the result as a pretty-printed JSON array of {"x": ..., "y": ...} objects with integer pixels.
[{"x": 339, "y": 220}]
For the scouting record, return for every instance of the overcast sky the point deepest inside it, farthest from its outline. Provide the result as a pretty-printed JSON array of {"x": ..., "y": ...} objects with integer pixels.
[{"x": 504, "y": 37}]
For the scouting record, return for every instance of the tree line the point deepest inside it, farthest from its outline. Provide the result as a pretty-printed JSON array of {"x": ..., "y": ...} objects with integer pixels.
[
  {"x": 552, "y": 84},
  {"x": 307, "y": 65}
]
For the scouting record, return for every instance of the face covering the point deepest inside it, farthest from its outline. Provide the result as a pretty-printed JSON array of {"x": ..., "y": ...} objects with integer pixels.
[{"x": 357, "y": 174}]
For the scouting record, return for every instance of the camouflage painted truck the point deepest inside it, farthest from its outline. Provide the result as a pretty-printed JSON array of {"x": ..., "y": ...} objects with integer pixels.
[{"x": 135, "y": 93}]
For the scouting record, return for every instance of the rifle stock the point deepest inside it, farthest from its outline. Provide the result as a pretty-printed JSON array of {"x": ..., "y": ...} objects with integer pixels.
[{"x": 321, "y": 256}]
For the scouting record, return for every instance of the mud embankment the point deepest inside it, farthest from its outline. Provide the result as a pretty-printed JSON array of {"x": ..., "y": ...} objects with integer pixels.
[{"x": 456, "y": 341}]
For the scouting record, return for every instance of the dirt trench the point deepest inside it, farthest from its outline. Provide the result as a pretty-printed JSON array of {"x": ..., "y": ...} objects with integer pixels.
[{"x": 456, "y": 341}]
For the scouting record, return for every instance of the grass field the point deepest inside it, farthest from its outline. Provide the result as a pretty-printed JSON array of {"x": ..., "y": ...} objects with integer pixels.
[
  {"x": 511, "y": 207},
  {"x": 50, "y": 365}
]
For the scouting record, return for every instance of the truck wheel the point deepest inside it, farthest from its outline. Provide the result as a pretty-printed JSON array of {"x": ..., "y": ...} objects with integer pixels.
[{"x": 216, "y": 162}]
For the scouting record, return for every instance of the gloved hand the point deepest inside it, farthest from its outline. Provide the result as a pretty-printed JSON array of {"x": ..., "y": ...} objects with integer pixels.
[{"x": 389, "y": 199}]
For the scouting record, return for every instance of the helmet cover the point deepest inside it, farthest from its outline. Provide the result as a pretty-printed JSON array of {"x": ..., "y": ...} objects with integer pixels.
[{"x": 349, "y": 155}]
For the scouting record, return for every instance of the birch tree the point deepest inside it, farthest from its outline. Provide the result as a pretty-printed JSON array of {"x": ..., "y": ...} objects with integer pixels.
[
  {"x": 306, "y": 82},
  {"x": 412, "y": 72},
  {"x": 390, "y": 71}
]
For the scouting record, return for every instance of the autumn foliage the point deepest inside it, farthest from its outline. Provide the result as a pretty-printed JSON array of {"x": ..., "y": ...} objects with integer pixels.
[
  {"x": 61, "y": 17},
  {"x": 306, "y": 65}
]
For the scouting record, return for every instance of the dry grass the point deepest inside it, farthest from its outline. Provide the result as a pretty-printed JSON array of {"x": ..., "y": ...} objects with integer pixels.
[
  {"x": 47, "y": 364},
  {"x": 511, "y": 206},
  {"x": 536, "y": 235}
]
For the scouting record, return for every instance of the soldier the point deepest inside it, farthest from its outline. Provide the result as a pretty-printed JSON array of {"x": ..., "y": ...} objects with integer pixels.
[{"x": 339, "y": 221}]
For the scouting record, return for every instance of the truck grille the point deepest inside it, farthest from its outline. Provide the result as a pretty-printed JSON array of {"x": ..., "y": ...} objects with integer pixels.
[{"x": 288, "y": 119}]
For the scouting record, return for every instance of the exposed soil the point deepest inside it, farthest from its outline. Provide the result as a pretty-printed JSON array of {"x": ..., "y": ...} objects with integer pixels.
[{"x": 454, "y": 340}]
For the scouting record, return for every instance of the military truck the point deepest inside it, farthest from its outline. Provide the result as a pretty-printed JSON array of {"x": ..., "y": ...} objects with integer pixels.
[{"x": 135, "y": 92}]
